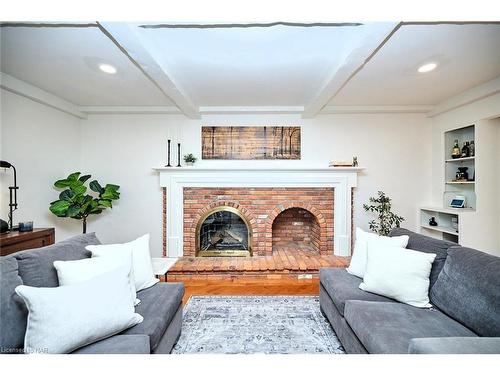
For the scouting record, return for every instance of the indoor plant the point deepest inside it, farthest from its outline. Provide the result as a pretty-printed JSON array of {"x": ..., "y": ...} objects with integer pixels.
[
  {"x": 190, "y": 159},
  {"x": 386, "y": 219},
  {"x": 73, "y": 201}
]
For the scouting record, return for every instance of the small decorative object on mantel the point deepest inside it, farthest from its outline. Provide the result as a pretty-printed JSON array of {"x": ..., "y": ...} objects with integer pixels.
[
  {"x": 179, "y": 155},
  {"x": 387, "y": 220},
  {"x": 74, "y": 203},
  {"x": 340, "y": 163},
  {"x": 190, "y": 159},
  {"x": 355, "y": 161},
  {"x": 168, "y": 154},
  {"x": 433, "y": 222}
]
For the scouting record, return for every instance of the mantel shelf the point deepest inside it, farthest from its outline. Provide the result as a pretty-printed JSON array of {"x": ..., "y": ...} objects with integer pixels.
[{"x": 255, "y": 169}]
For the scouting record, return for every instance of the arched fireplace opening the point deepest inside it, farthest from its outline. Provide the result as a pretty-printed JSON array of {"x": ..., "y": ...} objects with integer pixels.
[
  {"x": 296, "y": 228},
  {"x": 223, "y": 231}
]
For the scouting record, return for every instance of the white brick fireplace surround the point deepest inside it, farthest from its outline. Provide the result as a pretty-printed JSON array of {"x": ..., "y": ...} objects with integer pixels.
[{"x": 341, "y": 179}]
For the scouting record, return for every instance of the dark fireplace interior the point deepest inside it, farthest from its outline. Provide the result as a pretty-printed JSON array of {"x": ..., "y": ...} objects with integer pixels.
[{"x": 223, "y": 233}]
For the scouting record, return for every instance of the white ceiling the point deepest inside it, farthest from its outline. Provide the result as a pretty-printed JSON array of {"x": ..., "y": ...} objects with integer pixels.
[
  {"x": 64, "y": 61},
  {"x": 252, "y": 66},
  {"x": 467, "y": 55}
]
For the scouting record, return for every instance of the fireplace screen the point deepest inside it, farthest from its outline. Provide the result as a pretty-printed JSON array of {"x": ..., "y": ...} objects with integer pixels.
[{"x": 223, "y": 233}]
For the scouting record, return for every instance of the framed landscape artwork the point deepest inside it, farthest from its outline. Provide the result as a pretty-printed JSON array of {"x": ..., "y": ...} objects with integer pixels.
[{"x": 250, "y": 142}]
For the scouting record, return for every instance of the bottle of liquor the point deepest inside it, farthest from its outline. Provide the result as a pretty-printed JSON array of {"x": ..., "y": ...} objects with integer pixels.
[
  {"x": 472, "y": 148},
  {"x": 465, "y": 150},
  {"x": 456, "y": 152}
]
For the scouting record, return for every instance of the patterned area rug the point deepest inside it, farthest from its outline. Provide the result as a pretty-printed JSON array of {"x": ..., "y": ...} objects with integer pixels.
[{"x": 256, "y": 324}]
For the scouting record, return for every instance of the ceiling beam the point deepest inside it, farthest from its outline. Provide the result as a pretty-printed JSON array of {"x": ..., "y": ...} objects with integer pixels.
[
  {"x": 127, "y": 40},
  {"x": 38, "y": 95},
  {"x": 470, "y": 96},
  {"x": 375, "y": 36}
]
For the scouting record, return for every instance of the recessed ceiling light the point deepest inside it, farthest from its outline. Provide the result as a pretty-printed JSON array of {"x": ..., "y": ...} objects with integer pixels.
[
  {"x": 106, "y": 68},
  {"x": 427, "y": 67}
]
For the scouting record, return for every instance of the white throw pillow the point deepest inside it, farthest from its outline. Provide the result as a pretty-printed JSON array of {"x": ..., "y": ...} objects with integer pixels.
[
  {"x": 141, "y": 259},
  {"x": 66, "y": 318},
  {"x": 357, "y": 267},
  {"x": 76, "y": 271},
  {"x": 398, "y": 273}
]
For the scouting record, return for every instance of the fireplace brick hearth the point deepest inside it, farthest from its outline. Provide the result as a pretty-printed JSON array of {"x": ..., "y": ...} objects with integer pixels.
[{"x": 300, "y": 215}]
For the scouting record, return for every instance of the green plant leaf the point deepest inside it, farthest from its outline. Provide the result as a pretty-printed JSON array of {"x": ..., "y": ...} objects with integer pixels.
[
  {"x": 111, "y": 187},
  {"x": 84, "y": 178},
  {"x": 59, "y": 208},
  {"x": 95, "y": 186},
  {"x": 62, "y": 183},
  {"x": 106, "y": 203},
  {"x": 73, "y": 211},
  {"x": 66, "y": 195},
  {"x": 96, "y": 211},
  {"x": 79, "y": 189},
  {"x": 73, "y": 176}
]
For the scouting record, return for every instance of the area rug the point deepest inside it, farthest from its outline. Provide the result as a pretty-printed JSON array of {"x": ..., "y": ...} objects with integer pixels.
[{"x": 255, "y": 324}]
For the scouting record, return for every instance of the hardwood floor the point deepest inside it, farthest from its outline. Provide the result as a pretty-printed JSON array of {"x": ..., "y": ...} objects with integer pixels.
[{"x": 250, "y": 286}]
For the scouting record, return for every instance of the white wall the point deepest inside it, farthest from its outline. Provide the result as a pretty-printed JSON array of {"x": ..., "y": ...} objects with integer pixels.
[
  {"x": 44, "y": 145},
  {"x": 122, "y": 149},
  {"x": 479, "y": 229}
]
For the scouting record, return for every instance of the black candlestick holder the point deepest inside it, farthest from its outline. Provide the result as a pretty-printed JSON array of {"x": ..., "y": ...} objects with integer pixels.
[
  {"x": 168, "y": 154},
  {"x": 178, "y": 154}
]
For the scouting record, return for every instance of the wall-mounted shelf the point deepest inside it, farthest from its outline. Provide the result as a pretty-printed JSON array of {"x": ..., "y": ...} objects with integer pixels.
[
  {"x": 460, "y": 182},
  {"x": 459, "y": 160},
  {"x": 441, "y": 229}
]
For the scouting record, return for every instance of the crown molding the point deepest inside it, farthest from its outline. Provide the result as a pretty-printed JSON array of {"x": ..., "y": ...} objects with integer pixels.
[
  {"x": 353, "y": 109},
  {"x": 38, "y": 95},
  {"x": 467, "y": 97},
  {"x": 114, "y": 110}
]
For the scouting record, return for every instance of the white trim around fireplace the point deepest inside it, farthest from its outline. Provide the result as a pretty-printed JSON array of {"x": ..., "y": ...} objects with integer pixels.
[{"x": 341, "y": 179}]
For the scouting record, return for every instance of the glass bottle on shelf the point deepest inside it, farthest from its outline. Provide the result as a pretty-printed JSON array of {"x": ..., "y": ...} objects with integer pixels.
[
  {"x": 465, "y": 150},
  {"x": 456, "y": 152},
  {"x": 472, "y": 149}
]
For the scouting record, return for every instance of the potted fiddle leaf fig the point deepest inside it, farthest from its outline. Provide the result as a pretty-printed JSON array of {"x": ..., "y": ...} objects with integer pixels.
[{"x": 74, "y": 202}]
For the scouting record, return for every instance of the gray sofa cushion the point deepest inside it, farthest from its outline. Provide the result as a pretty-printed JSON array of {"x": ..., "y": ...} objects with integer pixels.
[
  {"x": 36, "y": 266},
  {"x": 13, "y": 312},
  {"x": 118, "y": 344},
  {"x": 455, "y": 345},
  {"x": 468, "y": 290},
  {"x": 341, "y": 286},
  {"x": 388, "y": 327},
  {"x": 427, "y": 244},
  {"x": 158, "y": 306}
]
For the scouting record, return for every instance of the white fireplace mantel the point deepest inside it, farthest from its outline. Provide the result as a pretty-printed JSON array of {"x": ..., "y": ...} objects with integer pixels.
[{"x": 341, "y": 179}]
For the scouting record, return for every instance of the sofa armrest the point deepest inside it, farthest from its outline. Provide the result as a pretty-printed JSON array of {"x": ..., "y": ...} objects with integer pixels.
[
  {"x": 118, "y": 344},
  {"x": 455, "y": 345}
]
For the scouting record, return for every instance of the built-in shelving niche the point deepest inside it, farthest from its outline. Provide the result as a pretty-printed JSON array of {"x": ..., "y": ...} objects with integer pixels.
[{"x": 454, "y": 188}]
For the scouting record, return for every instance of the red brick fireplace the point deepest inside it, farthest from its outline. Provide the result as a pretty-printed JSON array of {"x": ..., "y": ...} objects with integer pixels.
[{"x": 301, "y": 216}]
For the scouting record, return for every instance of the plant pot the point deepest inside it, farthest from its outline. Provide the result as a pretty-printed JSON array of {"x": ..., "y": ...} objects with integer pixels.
[{"x": 189, "y": 164}]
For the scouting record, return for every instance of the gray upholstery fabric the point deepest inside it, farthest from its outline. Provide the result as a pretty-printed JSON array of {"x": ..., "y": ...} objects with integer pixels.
[
  {"x": 118, "y": 344},
  {"x": 36, "y": 266},
  {"x": 171, "y": 335},
  {"x": 468, "y": 290},
  {"x": 427, "y": 244},
  {"x": 388, "y": 327},
  {"x": 13, "y": 312},
  {"x": 158, "y": 306},
  {"x": 455, "y": 345},
  {"x": 345, "y": 334},
  {"x": 342, "y": 286}
]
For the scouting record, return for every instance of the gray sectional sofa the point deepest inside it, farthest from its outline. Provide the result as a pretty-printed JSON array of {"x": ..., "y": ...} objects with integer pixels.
[
  {"x": 465, "y": 318},
  {"x": 161, "y": 304}
]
